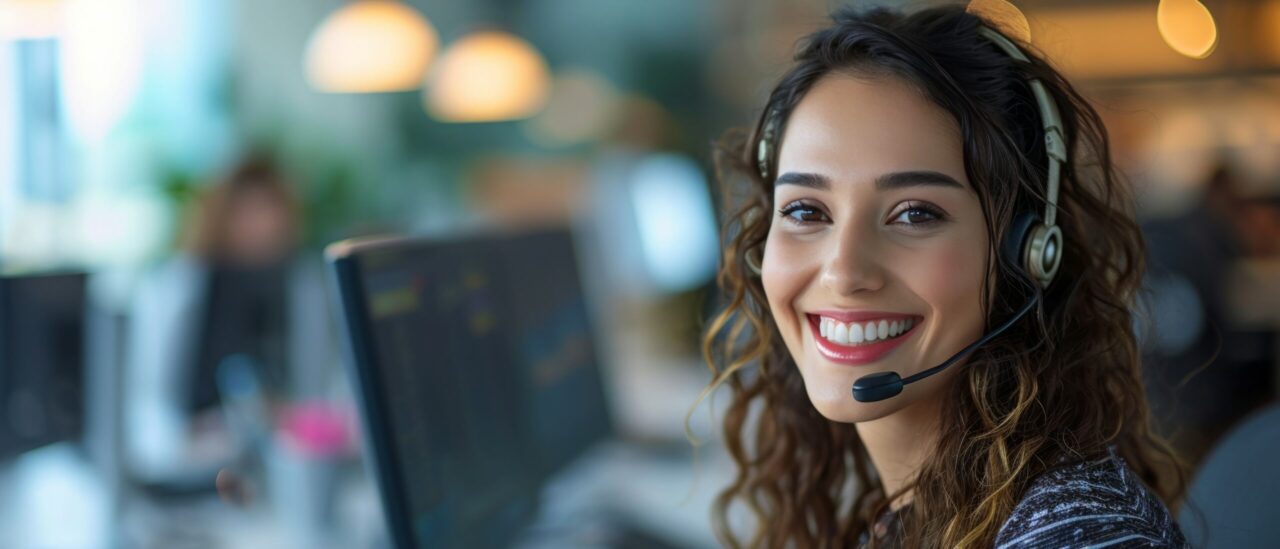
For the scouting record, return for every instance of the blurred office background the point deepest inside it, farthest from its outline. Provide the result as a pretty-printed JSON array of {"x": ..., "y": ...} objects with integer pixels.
[{"x": 170, "y": 171}]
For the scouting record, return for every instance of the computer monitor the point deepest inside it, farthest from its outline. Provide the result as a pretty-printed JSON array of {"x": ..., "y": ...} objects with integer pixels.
[
  {"x": 476, "y": 367},
  {"x": 42, "y": 334}
]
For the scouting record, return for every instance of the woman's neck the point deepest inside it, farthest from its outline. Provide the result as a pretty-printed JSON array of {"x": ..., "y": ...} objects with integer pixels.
[{"x": 899, "y": 443}]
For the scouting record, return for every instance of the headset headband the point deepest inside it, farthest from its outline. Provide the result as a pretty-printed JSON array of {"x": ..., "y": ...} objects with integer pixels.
[{"x": 1054, "y": 144}]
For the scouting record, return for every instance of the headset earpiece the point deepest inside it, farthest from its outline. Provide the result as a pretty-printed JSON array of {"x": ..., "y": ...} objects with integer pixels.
[
  {"x": 1044, "y": 253},
  {"x": 1013, "y": 249},
  {"x": 1033, "y": 247}
]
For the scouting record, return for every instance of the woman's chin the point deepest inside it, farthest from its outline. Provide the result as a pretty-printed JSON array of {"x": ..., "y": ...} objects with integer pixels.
[{"x": 835, "y": 402}]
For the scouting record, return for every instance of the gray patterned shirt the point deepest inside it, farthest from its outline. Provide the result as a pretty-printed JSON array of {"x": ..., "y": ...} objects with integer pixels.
[
  {"x": 1099, "y": 503},
  {"x": 1090, "y": 504}
]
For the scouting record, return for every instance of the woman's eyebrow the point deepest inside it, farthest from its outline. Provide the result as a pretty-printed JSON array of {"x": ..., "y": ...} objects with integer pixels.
[
  {"x": 811, "y": 180},
  {"x": 898, "y": 180},
  {"x": 888, "y": 181}
]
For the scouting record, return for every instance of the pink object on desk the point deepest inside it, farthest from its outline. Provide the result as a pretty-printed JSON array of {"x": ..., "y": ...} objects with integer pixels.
[{"x": 316, "y": 429}]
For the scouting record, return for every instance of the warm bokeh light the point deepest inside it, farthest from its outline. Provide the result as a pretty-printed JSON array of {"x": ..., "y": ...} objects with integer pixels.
[
  {"x": 486, "y": 77},
  {"x": 1113, "y": 41},
  {"x": 1187, "y": 27},
  {"x": 370, "y": 46},
  {"x": 1004, "y": 15},
  {"x": 30, "y": 19}
]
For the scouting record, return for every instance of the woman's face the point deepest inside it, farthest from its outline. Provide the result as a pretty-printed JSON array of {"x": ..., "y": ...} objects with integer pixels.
[
  {"x": 259, "y": 228},
  {"x": 876, "y": 230}
]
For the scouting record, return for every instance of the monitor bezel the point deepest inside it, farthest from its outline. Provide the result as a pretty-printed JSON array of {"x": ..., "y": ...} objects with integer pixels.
[{"x": 361, "y": 361}]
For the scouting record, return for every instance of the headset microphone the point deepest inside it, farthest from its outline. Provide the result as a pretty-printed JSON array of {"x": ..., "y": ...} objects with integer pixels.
[
  {"x": 1031, "y": 244},
  {"x": 882, "y": 385}
]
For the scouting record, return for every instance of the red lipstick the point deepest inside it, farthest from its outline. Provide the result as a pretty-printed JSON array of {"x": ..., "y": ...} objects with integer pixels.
[{"x": 864, "y": 353}]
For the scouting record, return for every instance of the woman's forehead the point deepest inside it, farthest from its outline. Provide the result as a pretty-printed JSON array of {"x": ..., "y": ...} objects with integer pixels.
[{"x": 856, "y": 128}]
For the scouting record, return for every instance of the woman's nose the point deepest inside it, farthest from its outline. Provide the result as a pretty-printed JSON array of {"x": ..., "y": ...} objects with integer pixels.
[{"x": 852, "y": 263}]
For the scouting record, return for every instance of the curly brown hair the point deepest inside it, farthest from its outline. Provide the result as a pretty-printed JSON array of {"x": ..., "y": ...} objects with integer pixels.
[{"x": 1024, "y": 402}]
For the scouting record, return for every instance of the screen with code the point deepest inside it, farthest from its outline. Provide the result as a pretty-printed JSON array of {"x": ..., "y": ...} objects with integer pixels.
[{"x": 484, "y": 358}]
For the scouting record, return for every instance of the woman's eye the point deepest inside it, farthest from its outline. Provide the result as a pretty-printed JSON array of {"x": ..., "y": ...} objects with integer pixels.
[
  {"x": 802, "y": 213},
  {"x": 918, "y": 215}
]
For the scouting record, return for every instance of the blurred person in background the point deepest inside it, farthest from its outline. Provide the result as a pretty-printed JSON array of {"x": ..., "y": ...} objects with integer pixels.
[
  {"x": 238, "y": 288},
  {"x": 889, "y": 179},
  {"x": 1205, "y": 370}
]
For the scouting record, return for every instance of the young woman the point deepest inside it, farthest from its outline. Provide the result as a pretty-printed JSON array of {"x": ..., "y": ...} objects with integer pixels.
[{"x": 891, "y": 179}]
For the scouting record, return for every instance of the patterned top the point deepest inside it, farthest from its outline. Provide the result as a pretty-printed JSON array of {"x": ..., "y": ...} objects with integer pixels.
[{"x": 1098, "y": 503}]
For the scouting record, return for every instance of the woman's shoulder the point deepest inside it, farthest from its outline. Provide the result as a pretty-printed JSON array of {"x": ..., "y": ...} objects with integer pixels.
[{"x": 1094, "y": 503}]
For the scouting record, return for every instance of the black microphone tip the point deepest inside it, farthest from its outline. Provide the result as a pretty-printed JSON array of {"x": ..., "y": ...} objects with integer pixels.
[{"x": 876, "y": 387}]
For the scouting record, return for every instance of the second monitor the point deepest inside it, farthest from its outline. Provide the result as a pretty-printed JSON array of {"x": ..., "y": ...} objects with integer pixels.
[{"x": 478, "y": 373}]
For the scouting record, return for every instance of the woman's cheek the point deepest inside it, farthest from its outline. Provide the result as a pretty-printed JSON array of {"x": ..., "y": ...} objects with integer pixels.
[
  {"x": 778, "y": 286},
  {"x": 949, "y": 283},
  {"x": 784, "y": 277}
]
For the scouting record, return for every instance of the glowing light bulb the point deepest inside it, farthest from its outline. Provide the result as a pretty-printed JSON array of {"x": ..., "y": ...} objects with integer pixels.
[
  {"x": 487, "y": 76},
  {"x": 1187, "y": 27},
  {"x": 370, "y": 46}
]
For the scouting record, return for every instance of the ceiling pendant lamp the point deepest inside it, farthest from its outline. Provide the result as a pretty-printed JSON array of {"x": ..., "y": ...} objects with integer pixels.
[
  {"x": 1187, "y": 27},
  {"x": 370, "y": 46},
  {"x": 487, "y": 76}
]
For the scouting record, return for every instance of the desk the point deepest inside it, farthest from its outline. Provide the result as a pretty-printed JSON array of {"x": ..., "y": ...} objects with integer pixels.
[{"x": 54, "y": 497}]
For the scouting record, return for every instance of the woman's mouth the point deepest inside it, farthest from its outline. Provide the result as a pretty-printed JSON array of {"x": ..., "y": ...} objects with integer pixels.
[{"x": 860, "y": 338}]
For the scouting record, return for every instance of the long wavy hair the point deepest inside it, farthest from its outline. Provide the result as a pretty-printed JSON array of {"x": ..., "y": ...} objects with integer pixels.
[{"x": 1062, "y": 384}]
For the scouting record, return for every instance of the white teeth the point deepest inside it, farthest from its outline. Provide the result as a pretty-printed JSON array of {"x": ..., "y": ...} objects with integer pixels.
[
  {"x": 840, "y": 334},
  {"x": 854, "y": 333}
]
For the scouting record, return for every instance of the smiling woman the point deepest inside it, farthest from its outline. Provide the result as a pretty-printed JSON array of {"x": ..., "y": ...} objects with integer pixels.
[
  {"x": 883, "y": 227},
  {"x": 894, "y": 177}
]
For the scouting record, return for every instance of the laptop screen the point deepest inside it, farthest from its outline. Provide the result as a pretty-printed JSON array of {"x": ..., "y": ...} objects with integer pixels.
[{"x": 478, "y": 375}]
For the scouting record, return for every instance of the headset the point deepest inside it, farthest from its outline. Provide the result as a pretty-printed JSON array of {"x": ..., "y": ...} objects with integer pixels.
[{"x": 1032, "y": 243}]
